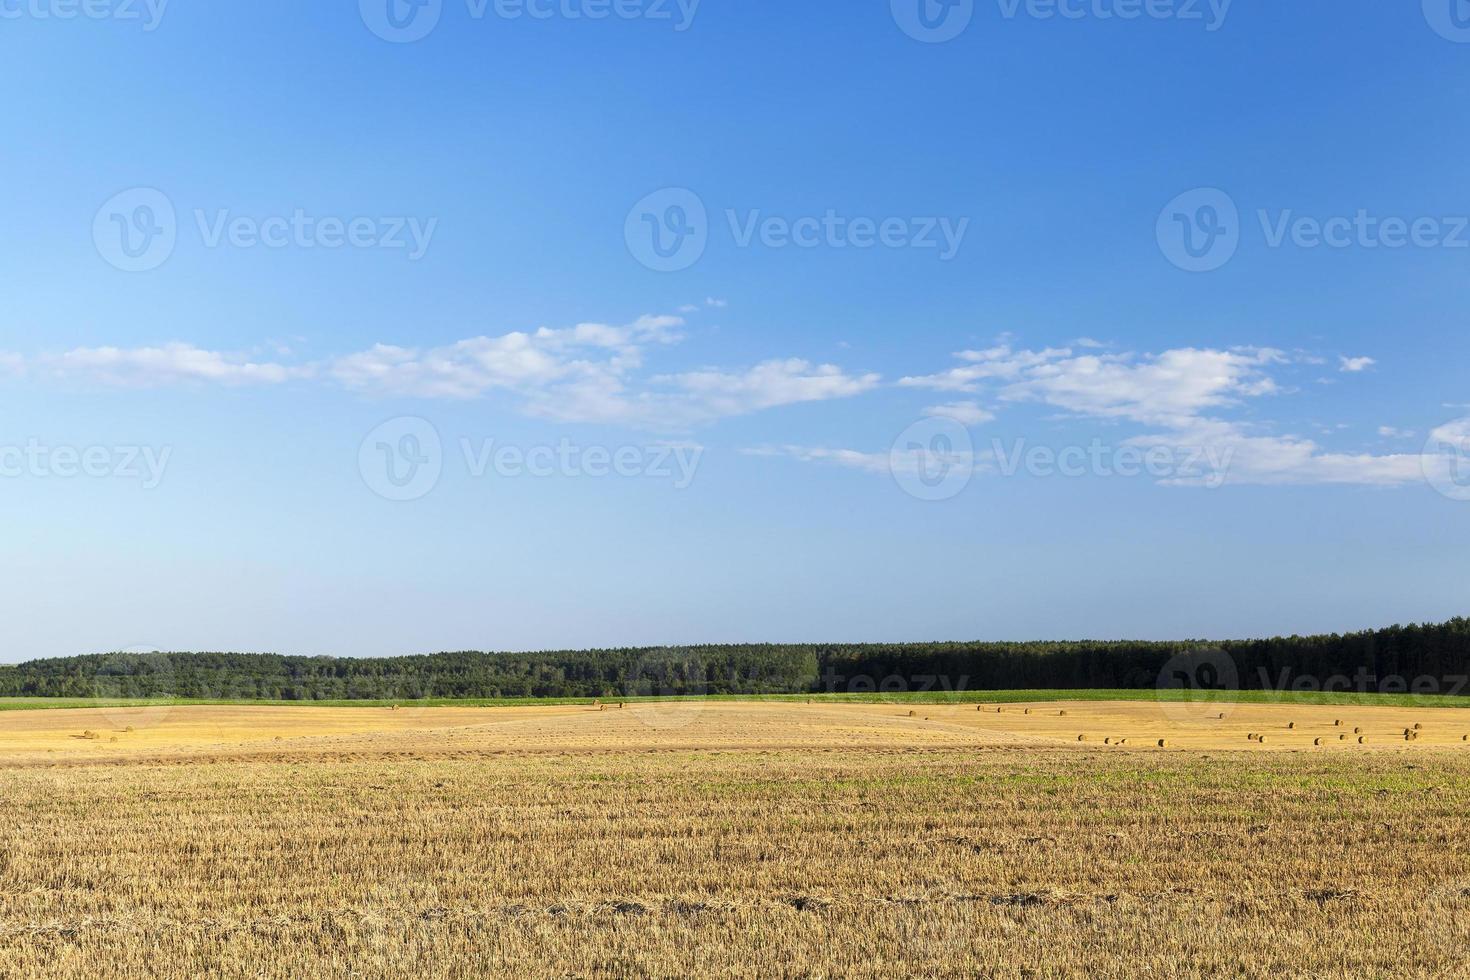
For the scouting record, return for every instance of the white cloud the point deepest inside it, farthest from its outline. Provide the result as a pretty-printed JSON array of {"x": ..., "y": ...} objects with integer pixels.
[
  {"x": 877, "y": 463},
  {"x": 514, "y": 361},
  {"x": 1452, "y": 434},
  {"x": 880, "y": 464},
  {"x": 767, "y": 385},
  {"x": 967, "y": 413},
  {"x": 1276, "y": 460},
  {"x": 1180, "y": 395},
  {"x": 176, "y": 363},
  {"x": 1354, "y": 365},
  {"x": 1168, "y": 389},
  {"x": 587, "y": 373},
  {"x": 1389, "y": 432},
  {"x": 984, "y": 365}
]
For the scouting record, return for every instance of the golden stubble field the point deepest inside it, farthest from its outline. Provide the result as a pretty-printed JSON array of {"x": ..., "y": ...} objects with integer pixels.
[{"x": 734, "y": 839}]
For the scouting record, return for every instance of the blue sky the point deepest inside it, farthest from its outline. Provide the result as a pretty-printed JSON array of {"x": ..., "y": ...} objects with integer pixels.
[{"x": 358, "y": 378}]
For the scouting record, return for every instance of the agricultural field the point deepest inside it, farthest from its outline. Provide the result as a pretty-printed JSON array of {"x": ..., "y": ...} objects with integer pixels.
[{"x": 826, "y": 839}]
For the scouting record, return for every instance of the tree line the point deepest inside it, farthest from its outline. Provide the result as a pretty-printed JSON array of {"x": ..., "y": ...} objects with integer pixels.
[{"x": 1427, "y": 659}]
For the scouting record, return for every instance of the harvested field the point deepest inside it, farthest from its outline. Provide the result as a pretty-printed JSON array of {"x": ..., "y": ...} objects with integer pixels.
[
  {"x": 168, "y": 732},
  {"x": 740, "y": 839}
]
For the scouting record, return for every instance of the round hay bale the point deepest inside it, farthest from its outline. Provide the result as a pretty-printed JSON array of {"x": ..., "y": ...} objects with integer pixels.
[
  {"x": 1418, "y": 727},
  {"x": 1337, "y": 723},
  {"x": 1362, "y": 739},
  {"x": 1357, "y": 731},
  {"x": 1061, "y": 714},
  {"x": 1107, "y": 741},
  {"x": 1261, "y": 739},
  {"x": 1163, "y": 743},
  {"x": 1316, "y": 741},
  {"x": 1081, "y": 738},
  {"x": 1027, "y": 711},
  {"x": 1291, "y": 724}
]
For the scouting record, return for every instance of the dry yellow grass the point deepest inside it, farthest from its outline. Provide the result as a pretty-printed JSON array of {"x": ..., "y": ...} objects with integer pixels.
[
  {"x": 168, "y": 732},
  {"x": 732, "y": 840}
]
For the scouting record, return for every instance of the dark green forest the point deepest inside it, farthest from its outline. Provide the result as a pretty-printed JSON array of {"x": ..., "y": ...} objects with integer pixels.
[{"x": 1421, "y": 659}]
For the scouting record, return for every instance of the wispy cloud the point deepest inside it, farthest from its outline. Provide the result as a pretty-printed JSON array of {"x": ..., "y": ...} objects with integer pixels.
[
  {"x": 911, "y": 462},
  {"x": 592, "y": 372},
  {"x": 1181, "y": 398},
  {"x": 169, "y": 364},
  {"x": 967, "y": 413}
]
